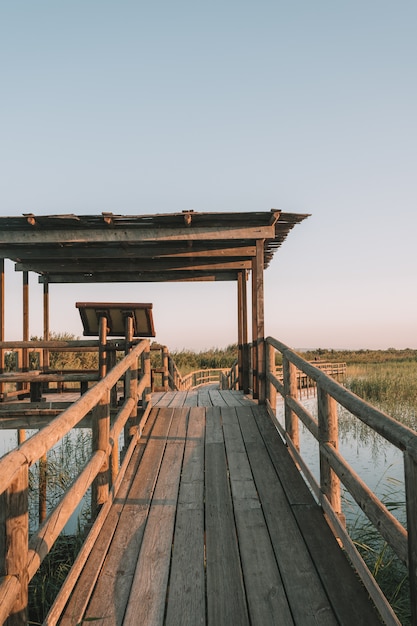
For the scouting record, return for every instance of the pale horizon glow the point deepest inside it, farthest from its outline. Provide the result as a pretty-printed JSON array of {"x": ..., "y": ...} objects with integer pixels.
[{"x": 158, "y": 108}]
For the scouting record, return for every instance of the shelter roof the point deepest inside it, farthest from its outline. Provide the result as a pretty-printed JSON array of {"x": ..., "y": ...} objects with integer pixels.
[{"x": 142, "y": 248}]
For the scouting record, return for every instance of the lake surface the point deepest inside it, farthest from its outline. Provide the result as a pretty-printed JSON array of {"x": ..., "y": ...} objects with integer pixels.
[{"x": 378, "y": 463}]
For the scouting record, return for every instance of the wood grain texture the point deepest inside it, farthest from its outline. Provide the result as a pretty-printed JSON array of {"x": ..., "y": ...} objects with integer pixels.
[
  {"x": 149, "y": 587},
  {"x": 186, "y": 598},
  {"x": 226, "y": 602}
]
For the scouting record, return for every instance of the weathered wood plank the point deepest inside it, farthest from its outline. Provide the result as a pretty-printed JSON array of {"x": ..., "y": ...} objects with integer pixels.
[
  {"x": 235, "y": 398},
  {"x": 308, "y": 601},
  {"x": 226, "y": 602},
  {"x": 204, "y": 397},
  {"x": 147, "y": 597},
  {"x": 177, "y": 398},
  {"x": 216, "y": 398},
  {"x": 135, "y": 235},
  {"x": 350, "y": 601},
  {"x": 192, "y": 398},
  {"x": 113, "y": 587},
  {"x": 264, "y": 587},
  {"x": 163, "y": 399},
  {"x": 86, "y": 582},
  {"x": 186, "y": 600}
]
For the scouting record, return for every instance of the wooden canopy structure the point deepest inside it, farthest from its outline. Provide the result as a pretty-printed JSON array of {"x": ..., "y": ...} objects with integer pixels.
[{"x": 185, "y": 246}]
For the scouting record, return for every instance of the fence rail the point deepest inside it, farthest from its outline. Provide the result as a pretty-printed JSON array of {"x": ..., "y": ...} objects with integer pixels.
[
  {"x": 335, "y": 470},
  {"x": 21, "y": 556}
]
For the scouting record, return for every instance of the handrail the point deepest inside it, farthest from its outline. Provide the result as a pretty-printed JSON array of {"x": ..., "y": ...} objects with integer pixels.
[
  {"x": 172, "y": 379},
  {"x": 201, "y": 377},
  {"x": 22, "y": 556},
  {"x": 334, "y": 469}
]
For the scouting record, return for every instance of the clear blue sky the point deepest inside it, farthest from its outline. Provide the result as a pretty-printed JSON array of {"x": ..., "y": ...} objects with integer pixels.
[{"x": 143, "y": 107}]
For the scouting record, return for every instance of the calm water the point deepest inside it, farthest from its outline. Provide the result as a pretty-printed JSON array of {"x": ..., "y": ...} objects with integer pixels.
[
  {"x": 64, "y": 463},
  {"x": 378, "y": 463}
]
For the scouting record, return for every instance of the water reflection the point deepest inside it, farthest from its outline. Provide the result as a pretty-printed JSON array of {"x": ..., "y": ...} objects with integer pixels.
[{"x": 378, "y": 463}]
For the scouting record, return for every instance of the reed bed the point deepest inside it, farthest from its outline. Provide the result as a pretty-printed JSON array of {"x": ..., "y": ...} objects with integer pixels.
[{"x": 392, "y": 387}]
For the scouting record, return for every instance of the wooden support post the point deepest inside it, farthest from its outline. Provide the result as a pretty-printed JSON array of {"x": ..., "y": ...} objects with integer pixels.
[
  {"x": 101, "y": 433},
  {"x": 102, "y": 347},
  {"x": 258, "y": 350},
  {"x": 146, "y": 369},
  {"x": 46, "y": 330},
  {"x": 240, "y": 341},
  {"x": 328, "y": 434},
  {"x": 16, "y": 542},
  {"x": 410, "y": 472},
  {"x": 101, "y": 426},
  {"x": 2, "y": 316},
  {"x": 270, "y": 369},
  {"x": 165, "y": 379},
  {"x": 25, "y": 319},
  {"x": 289, "y": 373},
  {"x": 171, "y": 373},
  {"x": 111, "y": 362},
  {"x": 131, "y": 383},
  {"x": 43, "y": 478},
  {"x": 243, "y": 356}
]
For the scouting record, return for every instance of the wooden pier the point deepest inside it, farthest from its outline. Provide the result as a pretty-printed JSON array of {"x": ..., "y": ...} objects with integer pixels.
[
  {"x": 206, "y": 517},
  {"x": 213, "y": 524}
]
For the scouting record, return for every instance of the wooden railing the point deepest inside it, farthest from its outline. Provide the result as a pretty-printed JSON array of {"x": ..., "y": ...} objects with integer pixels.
[
  {"x": 334, "y": 469},
  {"x": 201, "y": 377},
  {"x": 21, "y": 555},
  {"x": 229, "y": 379},
  {"x": 31, "y": 370},
  {"x": 166, "y": 375}
]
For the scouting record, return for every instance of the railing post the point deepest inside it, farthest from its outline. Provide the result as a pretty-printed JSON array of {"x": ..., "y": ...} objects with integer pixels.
[
  {"x": 101, "y": 426},
  {"x": 146, "y": 368},
  {"x": 43, "y": 482},
  {"x": 271, "y": 392},
  {"x": 171, "y": 373},
  {"x": 328, "y": 434},
  {"x": 2, "y": 318},
  {"x": 165, "y": 380},
  {"x": 289, "y": 374},
  {"x": 14, "y": 548},
  {"x": 410, "y": 472},
  {"x": 46, "y": 334},
  {"x": 131, "y": 380}
]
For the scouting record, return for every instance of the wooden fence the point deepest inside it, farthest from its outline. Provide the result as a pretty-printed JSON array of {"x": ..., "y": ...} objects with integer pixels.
[
  {"x": 334, "y": 469},
  {"x": 133, "y": 378},
  {"x": 21, "y": 556},
  {"x": 166, "y": 376}
]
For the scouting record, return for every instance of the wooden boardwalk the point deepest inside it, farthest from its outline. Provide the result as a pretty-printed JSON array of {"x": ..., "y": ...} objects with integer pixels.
[{"x": 213, "y": 524}]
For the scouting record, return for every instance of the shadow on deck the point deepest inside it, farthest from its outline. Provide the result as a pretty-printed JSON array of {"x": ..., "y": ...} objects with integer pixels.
[{"x": 213, "y": 524}]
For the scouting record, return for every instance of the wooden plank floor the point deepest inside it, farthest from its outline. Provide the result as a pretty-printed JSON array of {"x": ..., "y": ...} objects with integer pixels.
[{"x": 213, "y": 524}]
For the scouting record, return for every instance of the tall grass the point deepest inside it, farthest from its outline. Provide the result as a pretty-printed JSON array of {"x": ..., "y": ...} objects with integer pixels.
[
  {"x": 391, "y": 386},
  {"x": 388, "y": 383},
  {"x": 64, "y": 463}
]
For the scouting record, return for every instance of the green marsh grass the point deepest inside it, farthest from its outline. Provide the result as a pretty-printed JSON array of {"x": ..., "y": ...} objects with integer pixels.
[
  {"x": 392, "y": 387},
  {"x": 64, "y": 463},
  {"x": 385, "y": 379}
]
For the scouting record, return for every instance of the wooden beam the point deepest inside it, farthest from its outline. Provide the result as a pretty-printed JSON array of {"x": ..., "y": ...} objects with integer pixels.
[
  {"x": 140, "y": 277},
  {"x": 197, "y": 249},
  {"x": 125, "y": 234},
  {"x": 130, "y": 265},
  {"x": 258, "y": 331},
  {"x": 243, "y": 356}
]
